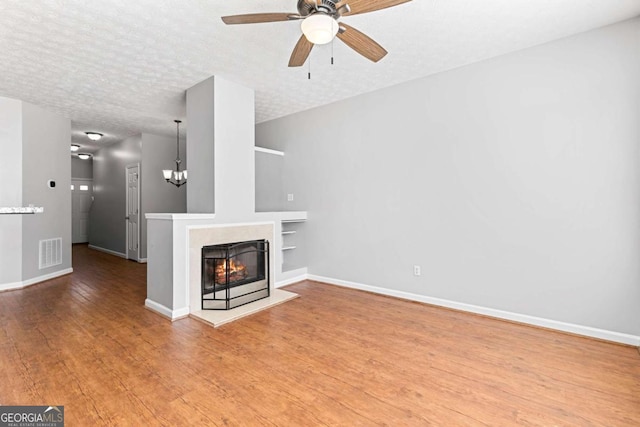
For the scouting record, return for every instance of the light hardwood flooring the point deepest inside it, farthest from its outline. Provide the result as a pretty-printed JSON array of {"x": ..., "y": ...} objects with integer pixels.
[{"x": 333, "y": 357}]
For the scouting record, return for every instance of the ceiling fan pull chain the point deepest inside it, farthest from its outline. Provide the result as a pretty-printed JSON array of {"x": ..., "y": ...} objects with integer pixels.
[
  {"x": 309, "y": 72},
  {"x": 332, "y": 50},
  {"x": 332, "y": 40}
]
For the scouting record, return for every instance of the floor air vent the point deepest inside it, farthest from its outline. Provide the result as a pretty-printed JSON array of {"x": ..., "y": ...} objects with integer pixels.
[{"x": 50, "y": 252}]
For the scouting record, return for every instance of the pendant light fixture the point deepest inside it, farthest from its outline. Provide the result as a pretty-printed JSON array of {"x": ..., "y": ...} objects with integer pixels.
[
  {"x": 176, "y": 177},
  {"x": 94, "y": 136}
]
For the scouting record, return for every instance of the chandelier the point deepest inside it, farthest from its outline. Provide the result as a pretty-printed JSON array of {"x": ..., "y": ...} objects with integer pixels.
[{"x": 176, "y": 177}]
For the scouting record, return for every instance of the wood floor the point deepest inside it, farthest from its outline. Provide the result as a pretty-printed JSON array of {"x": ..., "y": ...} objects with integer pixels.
[{"x": 334, "y": 357}]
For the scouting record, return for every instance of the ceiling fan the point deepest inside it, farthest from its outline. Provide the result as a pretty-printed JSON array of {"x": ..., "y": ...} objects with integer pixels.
[{"x": 320, "y": 25}]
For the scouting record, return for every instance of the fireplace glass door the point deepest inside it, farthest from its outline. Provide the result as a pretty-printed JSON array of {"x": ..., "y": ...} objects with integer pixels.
[{"x": 234, "y": 274}]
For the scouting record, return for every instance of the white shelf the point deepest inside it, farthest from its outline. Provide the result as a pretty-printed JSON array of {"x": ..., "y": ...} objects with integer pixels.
[
  {"x": 289, "y": 232},
  {"x": 288, "y": 248},
  {"x": 268, "y": 151},
  {"x": 289, "y": 221},
  {"x": 21, "y": 210}
]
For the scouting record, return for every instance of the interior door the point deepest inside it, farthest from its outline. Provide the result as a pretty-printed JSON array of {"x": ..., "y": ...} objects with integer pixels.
[
  {"x": 133, "y": 212},
  {"x": 81, "y": 200}
]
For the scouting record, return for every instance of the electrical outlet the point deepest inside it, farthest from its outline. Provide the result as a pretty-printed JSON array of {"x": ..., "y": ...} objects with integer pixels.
[
  {"x": 416, "y": 270},
  {"x": 289, "y": 197}
]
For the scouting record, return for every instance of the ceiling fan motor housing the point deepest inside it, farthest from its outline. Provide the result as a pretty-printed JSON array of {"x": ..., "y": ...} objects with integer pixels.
[{"x": 309, "y": 7}]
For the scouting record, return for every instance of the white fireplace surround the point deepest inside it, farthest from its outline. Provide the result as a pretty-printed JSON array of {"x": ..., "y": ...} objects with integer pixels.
[
  {"x": 218, "y": 235},
  {"x": 174, "y": 252}
]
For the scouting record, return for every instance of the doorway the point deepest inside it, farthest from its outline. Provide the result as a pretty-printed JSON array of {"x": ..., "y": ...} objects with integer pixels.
[
  {"x": 81, "y": 201},
  {"x": 133, "y": 211}
]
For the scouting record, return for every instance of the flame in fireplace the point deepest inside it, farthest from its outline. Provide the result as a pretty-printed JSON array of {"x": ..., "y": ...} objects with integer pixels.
[{"x": 237, "y": 271}]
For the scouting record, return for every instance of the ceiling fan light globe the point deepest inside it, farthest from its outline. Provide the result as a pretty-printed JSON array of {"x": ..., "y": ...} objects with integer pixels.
[{"x": 319, "y": 28}]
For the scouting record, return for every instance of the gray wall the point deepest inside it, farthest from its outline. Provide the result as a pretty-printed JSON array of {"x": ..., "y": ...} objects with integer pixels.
[
  {"x": 513, "y": 182},
  {"x": 35, "y": 147},
  {"x": 220, "y": 141},
  {"x": 107, "y": 215},
  {"x": 200, "y": 149},
  {"x": 159, "y": 270},
  {"x": 270, "y": 196},
  {"x": 158, "y": 153},
  {"x": 81, "y": 168},
  {"x": 45, "y": 156},
  {"x": 154, "y": 153},
  {"x": 234, "y": 150},
  {"x": 11, "y": 190}
]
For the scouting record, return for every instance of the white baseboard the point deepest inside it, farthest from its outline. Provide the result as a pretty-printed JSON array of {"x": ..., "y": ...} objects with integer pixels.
[
  {"x": 34, "y": 280},
  {"x": 142, "y": 260},
  {"x": 516, "y": 317},
  {"x": 165, "y": 311},
  {"x": 11, "y": 286},
  {"x": 108, "y": 251},
  {"x": 292, "y": 277}
]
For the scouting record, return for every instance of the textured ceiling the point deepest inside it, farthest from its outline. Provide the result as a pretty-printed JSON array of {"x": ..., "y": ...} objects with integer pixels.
[{"x": 121, "y": 67}]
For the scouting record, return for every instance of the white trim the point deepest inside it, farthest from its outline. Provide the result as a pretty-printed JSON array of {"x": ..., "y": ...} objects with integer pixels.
[
  {"x": 35, "y": 280},
  {"x": 268, "y": 151},
  {"x": 82, "y": 179},
  {"x": 516, "y": 317},
  {"x": 179, "y": 216},
  {"x": 142, "y": 260},
  {"x": 291, "y": 281},
  {"x": 109, "y": 251},
  {"x": 44, "y": 277},
  {"x": 11, "y": 286},
  {"x": 286, "y": 216},
  {"x": 165, "y": 311},
  {"x": 226, "y": 225}
]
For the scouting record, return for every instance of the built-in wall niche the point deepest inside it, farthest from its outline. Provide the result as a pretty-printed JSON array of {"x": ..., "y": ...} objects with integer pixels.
[{"x": 293, "y": 247}]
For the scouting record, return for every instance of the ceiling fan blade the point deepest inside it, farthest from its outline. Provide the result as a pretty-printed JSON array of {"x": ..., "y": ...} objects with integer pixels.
[
  {"x": 361, "y": 43},
  {"x": 300, "y": 52},
  {"x": 256, "y": 18},
  {"x": 364, "y": 6}
]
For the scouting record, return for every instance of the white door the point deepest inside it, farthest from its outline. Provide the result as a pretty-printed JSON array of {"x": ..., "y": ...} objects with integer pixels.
[
  {"x": 81, "y": 200},
  {"x": 133, "y": 212}
]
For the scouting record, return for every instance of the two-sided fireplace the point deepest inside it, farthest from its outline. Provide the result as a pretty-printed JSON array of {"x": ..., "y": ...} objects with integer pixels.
[{"x": 234, "y": 274}]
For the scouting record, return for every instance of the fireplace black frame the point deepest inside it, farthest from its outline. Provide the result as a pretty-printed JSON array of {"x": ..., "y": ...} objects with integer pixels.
[{"x": 221, "y": 296}]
